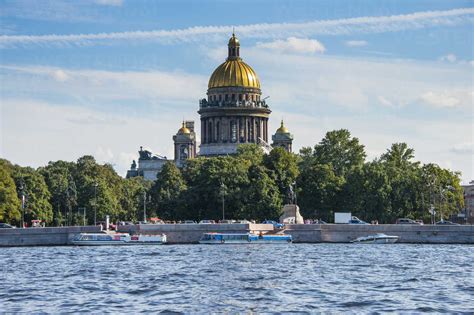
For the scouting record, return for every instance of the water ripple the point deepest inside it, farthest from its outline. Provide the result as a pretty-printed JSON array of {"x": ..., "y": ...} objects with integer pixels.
[{"x": 177, "y": 279}]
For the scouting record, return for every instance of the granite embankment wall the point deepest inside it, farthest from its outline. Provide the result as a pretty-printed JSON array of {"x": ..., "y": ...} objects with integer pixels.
[
  {"x": 343, "y": 233},
  {"x": 50, "y": 236},
  {"x": 309, "y": 233},
  {"x": 317, "y": 233}
]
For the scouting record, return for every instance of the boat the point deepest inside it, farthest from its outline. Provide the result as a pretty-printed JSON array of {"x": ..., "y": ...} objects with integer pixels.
[
  {"x": 378, "y": 238},
  {"x": 243, "y": 238},
  {"x": 97, "y": 239}
]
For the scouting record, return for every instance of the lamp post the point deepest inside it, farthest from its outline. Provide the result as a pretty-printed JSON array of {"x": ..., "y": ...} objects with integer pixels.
[
  {"x": 22, "y": 189},
  {"x": 223, "y": 200},
  {"x": 144, "y": 206},
  {"x": 95, "y": 203}
]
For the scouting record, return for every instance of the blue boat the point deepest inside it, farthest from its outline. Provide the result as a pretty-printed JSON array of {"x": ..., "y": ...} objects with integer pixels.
[{"x": 244, "y": 238}]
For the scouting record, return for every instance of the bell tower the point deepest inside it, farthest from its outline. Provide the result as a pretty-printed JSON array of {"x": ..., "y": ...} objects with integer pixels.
[{"x": 184, "y": 143}]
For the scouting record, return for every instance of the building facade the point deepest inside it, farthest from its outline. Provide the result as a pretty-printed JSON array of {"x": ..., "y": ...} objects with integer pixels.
[
  {"x": 469, "y": 201},
  {"x": 233, "y": 112}
]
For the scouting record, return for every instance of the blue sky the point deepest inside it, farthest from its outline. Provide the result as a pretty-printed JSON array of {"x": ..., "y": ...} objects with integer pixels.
[{"x": 103, "y": 77}]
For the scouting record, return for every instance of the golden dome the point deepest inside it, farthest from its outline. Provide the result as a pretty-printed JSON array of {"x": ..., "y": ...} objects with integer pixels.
[
  {"x": 282, "y": 128},
  {"x": 234, "y": 72},
  {"x": 183, "y": 130}
]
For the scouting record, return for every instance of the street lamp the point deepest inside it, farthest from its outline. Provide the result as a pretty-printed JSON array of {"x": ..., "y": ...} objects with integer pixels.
[
  {"x": 144, "y": 206},
  {"x": 223, "y": 200},
  {"x": 22, "y": 189},
  {"x": 95, "y": 203}
]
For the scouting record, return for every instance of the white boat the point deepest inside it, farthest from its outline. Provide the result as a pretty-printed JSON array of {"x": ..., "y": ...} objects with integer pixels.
[
  {"x": 97, "y": 239},
  {"x": 243, "y": 238},
  {"x": 378, "y": 238}
]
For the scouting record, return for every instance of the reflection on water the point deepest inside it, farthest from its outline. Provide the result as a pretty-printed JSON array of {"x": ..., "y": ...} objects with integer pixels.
[{"x": 240, "y": 278}]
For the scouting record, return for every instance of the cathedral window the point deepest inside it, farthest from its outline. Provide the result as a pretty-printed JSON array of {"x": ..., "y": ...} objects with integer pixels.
[
  {"x": 227, "y": 97},
  {"x": 233, "y": 131},
  {"x": 233, "y": 97},
  {"x": 240, "y": 97}
]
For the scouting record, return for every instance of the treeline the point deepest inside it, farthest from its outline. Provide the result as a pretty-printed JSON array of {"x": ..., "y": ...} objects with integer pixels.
[{"x": 333, "y": 176}]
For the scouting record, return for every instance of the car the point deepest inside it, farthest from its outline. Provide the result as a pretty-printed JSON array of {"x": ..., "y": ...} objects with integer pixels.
[
  {"x": 6, "y": 226},
  {"x": 126, "y": 223},
  {"x": 242, "y": 222},
  {"x": 406, "y": 221},
  {"x": 227, "y": 221},
  {"x": 356, "y": 220},
  {"x": 207, "y": 222},
  {"x": 275, "y": 224},
  {"x": 443, "y": 222},
  {"x": 188, "y": 222}
]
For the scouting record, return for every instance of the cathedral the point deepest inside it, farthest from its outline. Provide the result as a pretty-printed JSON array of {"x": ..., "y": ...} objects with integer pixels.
[{"x": 233, "y": 113}]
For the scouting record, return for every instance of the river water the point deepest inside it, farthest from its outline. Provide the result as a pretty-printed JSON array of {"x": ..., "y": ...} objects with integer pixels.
[{"x": 238, "y": 278}]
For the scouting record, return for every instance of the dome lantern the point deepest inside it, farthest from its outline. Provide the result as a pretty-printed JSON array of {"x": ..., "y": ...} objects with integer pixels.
[{"x": 234, "y": 48}]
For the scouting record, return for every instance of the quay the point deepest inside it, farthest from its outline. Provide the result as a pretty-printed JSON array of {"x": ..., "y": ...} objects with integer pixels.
[{"x": 301, "y": 233}]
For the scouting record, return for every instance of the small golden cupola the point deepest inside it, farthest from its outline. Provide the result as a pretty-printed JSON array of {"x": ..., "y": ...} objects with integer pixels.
[
  {"x": 183, "y": 130},
  {"x": 282, "y": 128}
]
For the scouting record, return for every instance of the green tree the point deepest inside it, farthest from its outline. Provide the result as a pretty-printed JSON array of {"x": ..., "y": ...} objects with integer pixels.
[
  {"x": 367, "y": 193},
  {"x": 261, "y": 196},
  {"x": 98, "y": 189},
  {"x": 319, "y": 187},
  {"x": 61, "y": 184},
  {"x": 131, "y": 199},
  {"x": 31, "y": 183},
  {"x": 9, "y": 202},
  {"x": 167, "y": 192},
  {"x": 283, "y": 169},
  {"x": 340, "y": 150},
  {"x": 399, "y": 155}
]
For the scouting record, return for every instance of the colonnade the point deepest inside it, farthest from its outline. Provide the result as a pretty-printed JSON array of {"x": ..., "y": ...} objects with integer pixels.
[{"x": 233, "y": 129}]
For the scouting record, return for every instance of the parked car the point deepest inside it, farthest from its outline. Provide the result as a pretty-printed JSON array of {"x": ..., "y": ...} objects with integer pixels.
[
  {"x": 276, "y": 225},
  {"x": 6, "y": 226},
  {"x": 442, "y": 222},
  {"x": 126, "y": 223},
  {"x": 242, "y": 222},
  {"x": 227, "y": 221},
  {"x": 189, "y": 222},
  {"x": 207, "y": 222},
  {"x": 406, "y": 221},
  {"x": 356, "y": 220}
]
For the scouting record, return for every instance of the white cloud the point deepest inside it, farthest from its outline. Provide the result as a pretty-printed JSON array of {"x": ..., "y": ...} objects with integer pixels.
[
  {"x": 439, "y": 99},
  {"x": 60, "y": 75},
  {"x": 384, "y": 101},
  {"x": 116, "y": 3},
  {"x": 464, "y": 148},
  {"x": 294, "y": 45},
  {"x": 448, "y": 58},
  {"x": 156, "y": 88},
  {"x": 365, "y": 24},
  {"x": 356, "y": 43},
  {"x": 47, "y": 133}
]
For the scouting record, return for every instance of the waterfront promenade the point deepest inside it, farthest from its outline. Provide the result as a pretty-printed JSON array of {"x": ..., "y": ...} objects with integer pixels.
[{"x": 302, "y": 233}]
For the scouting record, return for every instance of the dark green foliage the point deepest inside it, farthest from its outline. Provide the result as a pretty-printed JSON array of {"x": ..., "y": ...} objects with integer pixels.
[
  {"x": 329, "y": 178},
  {"x": 9, "y": 202}
]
